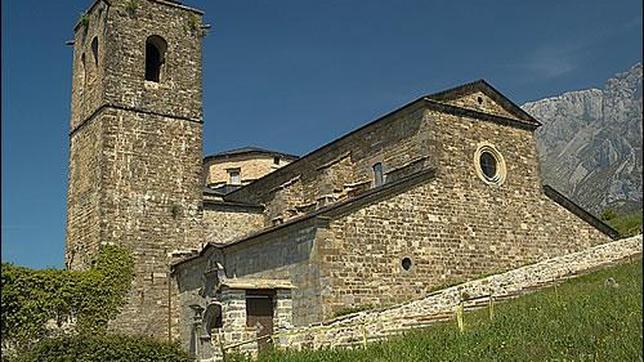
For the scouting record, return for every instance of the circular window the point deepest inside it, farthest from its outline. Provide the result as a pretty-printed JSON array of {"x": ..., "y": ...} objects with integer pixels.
[
  {"x": 489, "y": 164},
  {"x": 406, "y": 263}
]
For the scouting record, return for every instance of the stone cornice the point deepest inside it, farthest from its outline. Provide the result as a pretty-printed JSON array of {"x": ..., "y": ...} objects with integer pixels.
[{"x": 131, "y": 109}]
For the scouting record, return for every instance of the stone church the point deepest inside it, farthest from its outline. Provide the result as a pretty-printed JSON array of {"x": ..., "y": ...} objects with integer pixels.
[{"x": 248, "y": 242}]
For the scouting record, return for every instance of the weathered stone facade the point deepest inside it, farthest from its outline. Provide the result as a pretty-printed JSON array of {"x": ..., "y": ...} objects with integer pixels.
[
  {"x": 224, "y": 221},
  {"x": 253, "y": 163},
  {"x": 343, "y": 240},
  {"x": 382, "y": 215},
  {"x": 367, "y": 326},
  {"x": 136, "y": 148}
]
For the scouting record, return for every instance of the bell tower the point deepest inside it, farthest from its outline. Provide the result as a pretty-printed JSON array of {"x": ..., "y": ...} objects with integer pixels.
[{"x": 136, "y": 145}]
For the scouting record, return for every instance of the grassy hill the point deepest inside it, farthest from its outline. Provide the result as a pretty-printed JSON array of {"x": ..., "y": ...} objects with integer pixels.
[
  {"x": 627, "y": 224},
  {"x": 586, "y": 319}
]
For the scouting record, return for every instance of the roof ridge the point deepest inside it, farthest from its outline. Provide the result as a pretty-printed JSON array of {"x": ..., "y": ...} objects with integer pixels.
[{"x": 249, "y": 149}]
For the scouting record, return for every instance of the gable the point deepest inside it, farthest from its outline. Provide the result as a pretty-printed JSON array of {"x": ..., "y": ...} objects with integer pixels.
[
  {"x": 481, "y": 97},
  {"x": 479, "y": 101}
]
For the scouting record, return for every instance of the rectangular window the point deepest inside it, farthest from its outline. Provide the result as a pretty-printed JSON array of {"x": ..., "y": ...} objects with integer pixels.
[
  {"x": 234, "y": 176},
  {"x": 378, "y": 177}
]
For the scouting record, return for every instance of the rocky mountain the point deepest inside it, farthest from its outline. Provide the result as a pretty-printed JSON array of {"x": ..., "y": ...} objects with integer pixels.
[{"x": 590, "y": 144}]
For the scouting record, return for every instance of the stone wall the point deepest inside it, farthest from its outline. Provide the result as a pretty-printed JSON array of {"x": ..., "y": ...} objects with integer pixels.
[
  {"x": 453, "y": 227},
  {"x": 190, "y": 282},
  {"x": 151, "y": 203},
  {"x": 251, "y": 167},
  {"x": 358, "y": 328},
  {"x": 224, "y": 223},
  {"x": 481, "y": 102},
  {"x": 117, "y": 75},
  {"x": 234, "y": 318},
  {"x": 136, "y": 149},
  {"x": 83, "y": 226},
  {"x": 333, "y": 172},
  {"x": 199, "y": 285},
  {"x": 234, "y": 323},
  {"x": 288, "y": 254}
]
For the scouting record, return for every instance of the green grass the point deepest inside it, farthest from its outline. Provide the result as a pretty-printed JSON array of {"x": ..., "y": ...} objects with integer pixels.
[
  {"x": 580, "y": 320},
  {"x": 627, "y": 224}
]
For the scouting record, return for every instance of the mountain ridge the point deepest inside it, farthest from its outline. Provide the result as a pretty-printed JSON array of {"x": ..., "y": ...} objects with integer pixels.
[{"x": 590, "y": 142}]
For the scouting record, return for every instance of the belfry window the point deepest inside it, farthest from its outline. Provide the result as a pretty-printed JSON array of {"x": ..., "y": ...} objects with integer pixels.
[
  {"x": 95, "y": 50},
  {"x": 378, "y": 178},
  {"x": 83, "y": 73},
  {"x": 155, "y": 48}
]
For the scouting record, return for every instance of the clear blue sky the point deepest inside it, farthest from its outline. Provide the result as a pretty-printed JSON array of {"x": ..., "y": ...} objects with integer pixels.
[{"x": 293, "y": 75}]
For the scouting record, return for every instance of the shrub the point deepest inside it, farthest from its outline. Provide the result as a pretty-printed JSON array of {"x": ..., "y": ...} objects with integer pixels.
[
  {"x": 37, "y": 303},
  {"x": 628, "y": 224},
  {"x": 84, "y": 20},
  {"x": 131, "y": 6},
  {"x": 104, "y": 347},
  {"x": 351, "y": 310},
  {"x": 608, "y": 214}
]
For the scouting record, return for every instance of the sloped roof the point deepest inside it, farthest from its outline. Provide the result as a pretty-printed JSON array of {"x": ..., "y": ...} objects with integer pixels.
[
  {"x": 254, "y": 283},
  {"x": 433, "y": 101},
  {"x": 571, "y": 206},
  {"x": 370, "y": 195},
  {"x": 249, "y": 150}
]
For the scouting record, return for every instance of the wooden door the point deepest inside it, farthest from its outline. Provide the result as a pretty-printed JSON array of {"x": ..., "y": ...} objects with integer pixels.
[{"x": 259, "y": 315}]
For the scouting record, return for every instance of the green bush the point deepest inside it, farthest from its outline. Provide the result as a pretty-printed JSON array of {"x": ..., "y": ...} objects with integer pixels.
[
  {"x": 89, "y": 299},
  {"x": 113, "y": 348},
  {"x": 627, "y": 224},
  {"x": 84, "y": 20},
  {"x": 351, "y": 310},
  {"x": 608, "y": 214}
]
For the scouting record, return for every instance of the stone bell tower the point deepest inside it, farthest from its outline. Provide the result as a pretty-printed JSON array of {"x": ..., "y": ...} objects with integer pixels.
[{"x": 136, "y": 145}]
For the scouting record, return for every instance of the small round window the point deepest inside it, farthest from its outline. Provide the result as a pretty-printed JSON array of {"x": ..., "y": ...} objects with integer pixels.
[
  {"x": 489, "y": 164},
  {"x": 406, "y": 263}
]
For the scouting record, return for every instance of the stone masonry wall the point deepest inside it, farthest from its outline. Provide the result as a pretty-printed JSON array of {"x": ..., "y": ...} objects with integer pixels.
[
  {"x": 88, "y": 79},
  {"x": 136, "y": 149},
  {"x": 251, "y": 168},
  {"x": 337, "y": 169},
  {"x": 288, "y": 254},
  {"x": 190, "y": 280},
  {"x": 151, "y": 203},
  {"x": 358, "y": 328},
  {"x": 234, "y": 318},
  {"x": 117, "y": 76},
  {"x": 83, "y": 197},
  {"x": 479, "y": 101},
  {"x": 223, "y": 223},
  {"x": 454, "y": 227}
]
